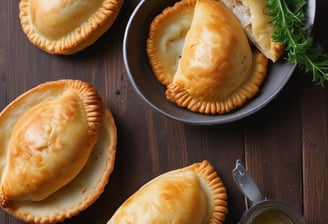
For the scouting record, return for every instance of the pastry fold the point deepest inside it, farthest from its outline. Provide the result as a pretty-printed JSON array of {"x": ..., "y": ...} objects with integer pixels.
[
  {"x": 199, "y": 50},
  {"x": 66, "y": 27},
  {"x": 194, "y": 194},
  {"x": 219, "y": 97},
  {"x": 52, "y": 133},
  {"x": 166, "y": 38}
]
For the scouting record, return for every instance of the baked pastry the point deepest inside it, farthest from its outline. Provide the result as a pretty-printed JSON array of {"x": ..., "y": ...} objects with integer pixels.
[
  {"x": 57, "y": 151},
  {"x": 166, "y": 37},
  {"x": 193, "y": 194},
  {"x": 217, "y": 70},
  {"x": 66, "y": 27},
  {"x": 221, "y": 92},
  {"x": 256, "y": 23}
]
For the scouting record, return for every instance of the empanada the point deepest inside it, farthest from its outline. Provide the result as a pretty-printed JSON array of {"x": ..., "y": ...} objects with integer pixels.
[
  {"x": 256, "y": 23},
  {"x": 218, "y": 71},
  {"x": 66, "y": 27},
  {"x": 166, "y": 37},
  {"x": 194, "y": 194},
  {"x": 57, "y": 150}
]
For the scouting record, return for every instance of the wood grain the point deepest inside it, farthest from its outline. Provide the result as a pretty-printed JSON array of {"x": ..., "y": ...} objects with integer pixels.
[{"x": 284, "y": 146}]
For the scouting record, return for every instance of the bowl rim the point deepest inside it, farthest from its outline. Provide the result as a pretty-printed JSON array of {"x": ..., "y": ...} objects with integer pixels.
[{"x": 235, "y": 115}]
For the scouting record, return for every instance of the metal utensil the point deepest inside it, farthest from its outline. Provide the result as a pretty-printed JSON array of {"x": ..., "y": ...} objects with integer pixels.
[{"x": 261, "y": 207}]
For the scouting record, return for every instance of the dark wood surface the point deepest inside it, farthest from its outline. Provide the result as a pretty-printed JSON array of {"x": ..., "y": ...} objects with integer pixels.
[{"x": 284, "y": 146}]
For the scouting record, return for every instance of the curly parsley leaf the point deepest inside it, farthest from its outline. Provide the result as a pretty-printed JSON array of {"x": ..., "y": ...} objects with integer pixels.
[{"x": 288, "y": 16}]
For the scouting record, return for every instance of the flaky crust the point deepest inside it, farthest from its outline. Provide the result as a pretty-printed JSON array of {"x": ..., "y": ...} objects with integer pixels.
[
  {"x": 217, "y": 72},
  {"x": 66, "y": 27},
  {"x": 194, "y": 194},
  {"x": 247, "y": 90},
  {"x": 256, "y": 24},
  {"x": 87, "y": 175}
]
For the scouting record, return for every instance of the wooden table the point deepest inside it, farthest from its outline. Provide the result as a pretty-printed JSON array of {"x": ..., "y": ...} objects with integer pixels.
[{"x": 284, "y": 146}]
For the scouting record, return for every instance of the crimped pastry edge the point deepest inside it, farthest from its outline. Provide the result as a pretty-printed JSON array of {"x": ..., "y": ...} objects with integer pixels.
[
  {"x": 211, "y": 184},
  {"x": 216, "y": 186},
  {"x": 246, "y": 91},
  {"x": 156, "y": 63},
  {"x": 76, "y": 40},
  {"x": 103, "y": 153}
]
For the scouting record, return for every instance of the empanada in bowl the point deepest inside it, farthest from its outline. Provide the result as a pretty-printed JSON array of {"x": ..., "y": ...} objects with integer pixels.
[
  {"x": 215, "y": 69},
  {"x": 57, "y": 151},
  {"x": 65, "y": 26},
  {"x": 194, "y": 194},
  {"x": 166, "y": 38}
]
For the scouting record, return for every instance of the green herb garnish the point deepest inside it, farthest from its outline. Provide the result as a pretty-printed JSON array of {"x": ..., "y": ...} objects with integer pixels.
[{"x": 288, "y": 16}]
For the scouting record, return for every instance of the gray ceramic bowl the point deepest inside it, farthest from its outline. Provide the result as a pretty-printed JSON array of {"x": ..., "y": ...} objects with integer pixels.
[{"x": 151, "y": 91}]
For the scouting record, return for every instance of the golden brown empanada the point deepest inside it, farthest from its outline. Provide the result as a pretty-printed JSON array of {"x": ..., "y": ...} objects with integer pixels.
[
  {"x": 166, "y": 37},
  {"x": 185, "y": 92},
  {"x": 194, "y": 194},
  {"x": 217, "y": 71},
  {"x": 57, "y": 150},
  {"x": 66, "y": 26},
  {"x": 256, "y": 23}
]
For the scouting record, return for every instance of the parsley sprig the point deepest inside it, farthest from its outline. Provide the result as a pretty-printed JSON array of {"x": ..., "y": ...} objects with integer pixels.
[{"x": 288, "y": 16}]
